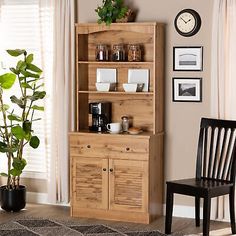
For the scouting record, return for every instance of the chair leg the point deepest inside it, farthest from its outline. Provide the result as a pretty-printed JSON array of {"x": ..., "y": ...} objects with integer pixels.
[
  {"x": 206, "y": 215},
  {"x": 169, "y": 210},
  {"x": 197, "y": 211},
  {"x": 232, "y": 210}
]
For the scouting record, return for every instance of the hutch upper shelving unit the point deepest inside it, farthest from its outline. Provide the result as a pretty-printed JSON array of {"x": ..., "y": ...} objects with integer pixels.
[{"x": 116, "y": 176}]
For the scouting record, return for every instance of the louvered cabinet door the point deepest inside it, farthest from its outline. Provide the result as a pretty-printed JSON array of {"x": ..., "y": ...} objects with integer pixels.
[
  {"x": 90, "y": 182},
  {"x": 128, "y": 185}
]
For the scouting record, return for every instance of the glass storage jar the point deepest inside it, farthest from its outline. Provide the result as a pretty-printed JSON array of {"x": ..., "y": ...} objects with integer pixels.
[
  {"x": 125, "y": 123},
  {"x": 101, "y": 52},
  {"x": 118, "y": 52},
  {"x": 134, "y": 52}
]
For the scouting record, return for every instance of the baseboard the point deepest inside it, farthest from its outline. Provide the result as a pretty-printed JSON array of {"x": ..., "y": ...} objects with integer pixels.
[
  {"x": 189, "y": 212},
  {"x": 41, "y": 198}
]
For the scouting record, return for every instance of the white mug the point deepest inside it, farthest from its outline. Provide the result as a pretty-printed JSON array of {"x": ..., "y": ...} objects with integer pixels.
[{"x": 114, "y": 128}]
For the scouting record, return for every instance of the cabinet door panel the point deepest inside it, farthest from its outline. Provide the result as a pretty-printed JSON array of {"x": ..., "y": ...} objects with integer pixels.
[
  {"x": 128, "y": 185},
  {"x": 90, "y": 182}
]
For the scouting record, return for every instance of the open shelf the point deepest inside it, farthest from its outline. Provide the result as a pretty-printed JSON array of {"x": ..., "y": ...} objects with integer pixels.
[
  {"x": 118, "y": 63},
  {"x": 117, "y": 93}
]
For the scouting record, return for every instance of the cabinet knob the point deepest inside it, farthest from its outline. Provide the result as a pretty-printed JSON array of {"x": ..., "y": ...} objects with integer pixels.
[
  {"x": 127, "y": 149},
  {"x": 104, "y": 169},
  {"x": 88, "y": 146},
  {"x": 111, "y": 170}
]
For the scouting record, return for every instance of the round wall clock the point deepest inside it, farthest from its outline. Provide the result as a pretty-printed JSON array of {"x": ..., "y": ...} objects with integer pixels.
[{"x": 187, "y": 22}]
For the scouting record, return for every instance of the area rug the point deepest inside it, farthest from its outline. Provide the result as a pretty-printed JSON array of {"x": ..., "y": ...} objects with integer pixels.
[
  {"x": 33, "y": 227},
  {"x": 220, "y": 232}
]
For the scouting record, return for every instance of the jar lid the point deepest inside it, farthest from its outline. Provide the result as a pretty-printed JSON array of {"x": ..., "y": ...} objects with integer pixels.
[{"x": 118, "y": 46}]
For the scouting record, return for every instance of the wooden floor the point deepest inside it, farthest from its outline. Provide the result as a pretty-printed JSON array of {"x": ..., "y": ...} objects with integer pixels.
[{"x": 181, "y": 225}]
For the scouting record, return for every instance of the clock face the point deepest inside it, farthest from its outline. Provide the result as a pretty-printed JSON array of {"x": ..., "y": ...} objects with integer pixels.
[{"x": 187, "y": 22}]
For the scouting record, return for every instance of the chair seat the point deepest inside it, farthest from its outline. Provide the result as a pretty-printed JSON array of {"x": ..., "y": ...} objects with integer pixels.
[{"x": 195, "y": 187}]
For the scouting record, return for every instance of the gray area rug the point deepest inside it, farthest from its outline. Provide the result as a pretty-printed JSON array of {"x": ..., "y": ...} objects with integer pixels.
[{"x": 33, "y": 227}]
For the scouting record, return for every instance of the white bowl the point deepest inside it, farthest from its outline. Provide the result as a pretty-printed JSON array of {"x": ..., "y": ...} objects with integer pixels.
[
  {"x": 133, "y": 87},
  {"x": 105, "y": 87}
]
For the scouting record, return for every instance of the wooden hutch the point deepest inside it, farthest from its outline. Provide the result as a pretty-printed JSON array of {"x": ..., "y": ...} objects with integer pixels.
[{"x": 118, "y": 176}]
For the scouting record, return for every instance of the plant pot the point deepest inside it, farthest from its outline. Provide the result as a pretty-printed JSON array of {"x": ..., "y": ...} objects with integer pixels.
[
  {"x": 129, "y": 17},
  {"x": 13, "y": 199}
]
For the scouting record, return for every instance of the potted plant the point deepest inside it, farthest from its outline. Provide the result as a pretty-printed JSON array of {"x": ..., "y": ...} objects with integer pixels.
[
  {"x": 112, "y": 11},
  {"x": 16, "y": 124}
]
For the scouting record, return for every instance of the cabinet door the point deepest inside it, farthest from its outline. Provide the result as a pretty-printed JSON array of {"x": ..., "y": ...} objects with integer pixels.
[
  {"x": 128, "y": 185},
  {"x": 90, "y": 182}
]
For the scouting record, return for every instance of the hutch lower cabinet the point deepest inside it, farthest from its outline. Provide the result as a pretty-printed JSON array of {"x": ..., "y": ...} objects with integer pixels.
[{"x": 118, "y": 176}]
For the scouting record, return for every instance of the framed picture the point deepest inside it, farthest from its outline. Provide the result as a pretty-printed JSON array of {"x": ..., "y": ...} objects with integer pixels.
[
  {"x": 187, "y": 58},
  {"x": 187, "y": 89}
]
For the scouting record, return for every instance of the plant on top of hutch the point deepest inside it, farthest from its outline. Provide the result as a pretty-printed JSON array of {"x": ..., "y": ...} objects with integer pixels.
[
  {"x": 114, "y": 11},
  {"x": 117, "y": 175}
]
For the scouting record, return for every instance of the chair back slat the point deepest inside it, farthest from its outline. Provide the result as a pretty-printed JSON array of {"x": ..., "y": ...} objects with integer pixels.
[
  {"x": 205, "y": 153},
  {"x": 222, "y": 154},
  {"x": 216, "y": 156},
  {"x": 226, "y": 167},
  {"x": 211, "y": 153},
  {"x": 199, "y": 154},
  {"x": 217, "y": 150}
]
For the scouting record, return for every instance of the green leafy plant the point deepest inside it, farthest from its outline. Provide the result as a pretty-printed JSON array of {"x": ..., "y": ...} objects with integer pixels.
[
  {"x": 110, "y": 11},
  {"x": 16, "y": 124}
]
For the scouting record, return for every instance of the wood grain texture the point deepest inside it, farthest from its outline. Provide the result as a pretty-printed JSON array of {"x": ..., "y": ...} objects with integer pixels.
[
  {"x": 135, "y": 184},
  {"x": 128, "y": 185}
]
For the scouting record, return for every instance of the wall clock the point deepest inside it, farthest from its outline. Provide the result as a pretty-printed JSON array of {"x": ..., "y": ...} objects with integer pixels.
[{"x": 187, "y": 22}]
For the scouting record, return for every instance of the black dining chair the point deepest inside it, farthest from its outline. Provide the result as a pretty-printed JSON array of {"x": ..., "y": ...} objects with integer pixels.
[{"x": 215, "y": 172}]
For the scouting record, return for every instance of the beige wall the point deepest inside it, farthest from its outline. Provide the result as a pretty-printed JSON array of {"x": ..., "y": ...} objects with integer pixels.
[{"x": 181, "y": 119}]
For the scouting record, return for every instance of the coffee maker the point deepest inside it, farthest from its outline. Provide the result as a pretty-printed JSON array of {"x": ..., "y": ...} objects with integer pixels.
[{"x": 101, "y": 115}]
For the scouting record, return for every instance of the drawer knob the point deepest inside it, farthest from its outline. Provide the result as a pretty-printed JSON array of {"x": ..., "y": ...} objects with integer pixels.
[
  {"x": 127, "y": 149},
  {"x": 88, "y": 146},
  {"x": 104, "y": 169},
  {"x": 111, "y": 170}
]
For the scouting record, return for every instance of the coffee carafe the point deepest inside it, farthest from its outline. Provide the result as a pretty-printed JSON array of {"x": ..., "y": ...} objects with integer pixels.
[{"x": 101, "y": 115}]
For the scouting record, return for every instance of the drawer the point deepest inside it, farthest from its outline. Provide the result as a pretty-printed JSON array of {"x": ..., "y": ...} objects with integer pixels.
[{"x": 117, "y": 146}]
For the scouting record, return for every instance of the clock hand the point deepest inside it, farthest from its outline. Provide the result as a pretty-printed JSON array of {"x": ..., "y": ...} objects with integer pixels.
[
  {"x": 183, "y": 20},
  {"x": 188, "y": 20}
]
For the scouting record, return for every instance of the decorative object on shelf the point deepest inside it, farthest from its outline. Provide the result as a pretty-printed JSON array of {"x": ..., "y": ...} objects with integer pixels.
[
  {"x": 16, "y": 127},
  {"x": 187, "y": 22},
  {"x": 188, "y": 58},
  {"x": 105, "y": 87},
  {"x": 187, "y": 89},
  {"x": 101, "y": 53},
  {"x": 139, "y": 76},
  {"x": 133, "y": 87},
  {"x": 125, "y": 123},
  {"x": 118, "y": 52},
  {"x": 134, "y": 52},
  {"x": 106, "y": 75},
  {"x": 111, "y": 11}
]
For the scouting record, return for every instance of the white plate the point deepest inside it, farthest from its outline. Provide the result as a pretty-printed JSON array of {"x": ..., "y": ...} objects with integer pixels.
[
  {"x": 139, "y": 76},
  {"x": 106, "y": 75}
]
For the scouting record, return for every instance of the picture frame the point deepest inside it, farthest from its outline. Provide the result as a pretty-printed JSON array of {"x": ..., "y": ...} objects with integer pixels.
[
  {"x": 187, "y": 89},
  {"x": 188, "y": 58}
]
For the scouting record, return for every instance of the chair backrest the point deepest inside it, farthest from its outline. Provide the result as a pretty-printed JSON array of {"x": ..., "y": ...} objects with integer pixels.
[{"x": 216, "y": 155}]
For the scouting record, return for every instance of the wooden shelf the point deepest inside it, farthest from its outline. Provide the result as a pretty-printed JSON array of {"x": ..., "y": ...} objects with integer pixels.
[
  {"x": 140, "y": 135},
  {"x": 117, "y": 93},
  {"x": 118, "y": 63}
]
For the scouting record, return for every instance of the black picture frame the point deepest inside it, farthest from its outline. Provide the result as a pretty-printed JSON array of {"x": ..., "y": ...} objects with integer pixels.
[
  {"x": 188, "y": 58},
  {"x": 186, "y": 89}
]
